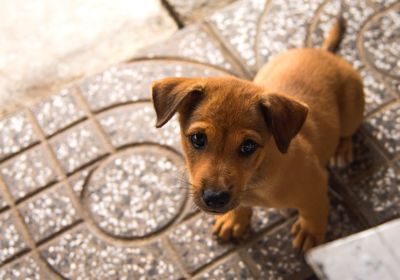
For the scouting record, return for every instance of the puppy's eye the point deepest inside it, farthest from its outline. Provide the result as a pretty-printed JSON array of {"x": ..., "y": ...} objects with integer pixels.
[
  {"x": 248, "y": 147},
  {"x": 198, "y": 140}
]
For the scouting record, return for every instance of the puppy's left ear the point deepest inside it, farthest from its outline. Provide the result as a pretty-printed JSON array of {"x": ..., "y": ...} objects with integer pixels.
[
  {"x": 284, "y": 117},
  {"x": 171, "y": 95}
]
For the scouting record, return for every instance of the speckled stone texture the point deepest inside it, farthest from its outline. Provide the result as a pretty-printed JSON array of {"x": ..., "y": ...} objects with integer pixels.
[
  {"x": 58, "y": 112},
  {"x": 11, "y": 241},
  {"x": 275, "y": 257},
  {"x": 48, "y": 213},
  {"x": 190, "y": 11},
  {"x": 16, "y": 133},
  {"x": 24, "y": 268},
  {"x": 28, "y": 172},
  {"x": 89, "y": 189},
  {"x": 135, "y": 193},
  {"x": 78, "y": 146}
]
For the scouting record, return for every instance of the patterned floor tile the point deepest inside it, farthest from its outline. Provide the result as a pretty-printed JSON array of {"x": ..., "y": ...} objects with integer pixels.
[
  {"x": 365, "y": 158},
  {"x": 380, "y": 42},
  {"x": 77, "y": 181},
  {"x": 379, "y": 195},
  {"x": 354, "y": 13},
  {"x": 195, "y": 244},
  {"x": 77, "y": 146},
  {"x": 284, "y": 26},
  {"x": 263, "y": 218},
  {"x": 16, "y": 133},
  {"x": 136, "y": 192},
  {"x": 194, "y": 10},
  {"x": 341, "y": 222},
  {"x": 24, "y": 268},
  {"x": 132, "y": 82},
  {"x": 237, "y": 25},
  {"x": 376, "y": 94},
  {"x": 195, "y": 44},
  {"x": 233, "y": 269},
  {"x": 28, "y": 172},
  {"x": 385, "y": 128},
  {"x": 11, "y": 241},
  {"x": 57, "y": 112},
  {"x": 275, "y": 257},
  {"x": 48, "y": 213},
  {"x": 81, "y": 255},
  {"x": 134, "y": 124}
]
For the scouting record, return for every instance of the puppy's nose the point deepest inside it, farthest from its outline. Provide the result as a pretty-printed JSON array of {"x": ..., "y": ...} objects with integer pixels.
[{"x": 215, "y": 199}]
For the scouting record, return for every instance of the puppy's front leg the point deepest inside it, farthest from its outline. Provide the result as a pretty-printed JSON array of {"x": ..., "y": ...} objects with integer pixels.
[
  {"x": 233, "y": 223},
  {"x": 309, "y": 229}
]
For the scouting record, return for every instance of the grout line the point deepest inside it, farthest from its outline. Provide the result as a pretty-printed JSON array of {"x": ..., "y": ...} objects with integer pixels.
[
  {"x": 173, "y": 14},
  {"x": 22, "y": 228},
  {"x": 381, "y": 109},
  {"x": 175, "y": 256},
  {"x": 264, "y": 13},
  {"x": 91, "y": 117},
  {"x": 227, "y": 51},
  {"x": 242, "y": 244},
  {"x": 21, "y": 151},
  {"x": 249, "y": 262}
]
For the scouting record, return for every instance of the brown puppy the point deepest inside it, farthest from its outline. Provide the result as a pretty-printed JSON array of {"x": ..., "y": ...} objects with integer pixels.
[{"x": 266, "y": 143}]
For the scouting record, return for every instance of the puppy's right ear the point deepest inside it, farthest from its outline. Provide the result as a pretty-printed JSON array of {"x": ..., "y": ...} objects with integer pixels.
[{"x": 171, "y": 95}]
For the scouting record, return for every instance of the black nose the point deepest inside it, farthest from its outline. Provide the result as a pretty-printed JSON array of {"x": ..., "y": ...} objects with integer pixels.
[{"x": 215, "y": 199}]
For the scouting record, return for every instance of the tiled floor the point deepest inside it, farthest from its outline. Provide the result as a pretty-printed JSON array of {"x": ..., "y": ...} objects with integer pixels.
[{"x": 89, "y": 189}]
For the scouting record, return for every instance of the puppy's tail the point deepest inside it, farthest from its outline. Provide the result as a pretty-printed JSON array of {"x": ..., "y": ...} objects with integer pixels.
[{"x": 332, "y": 41}]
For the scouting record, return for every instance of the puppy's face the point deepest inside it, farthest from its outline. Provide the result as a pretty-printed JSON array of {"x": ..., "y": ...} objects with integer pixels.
[{"x": 225, "y": 126}]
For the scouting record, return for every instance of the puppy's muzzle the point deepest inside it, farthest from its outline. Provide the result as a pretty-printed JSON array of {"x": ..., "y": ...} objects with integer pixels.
[{"x": 215, "y": 200}]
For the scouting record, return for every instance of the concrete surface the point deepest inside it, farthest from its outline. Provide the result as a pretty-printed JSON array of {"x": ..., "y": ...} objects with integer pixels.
[
  {"x": 89, "y": 189},
  {"x": 46, "y": 44},
  {"x": 371, "y": 254}
]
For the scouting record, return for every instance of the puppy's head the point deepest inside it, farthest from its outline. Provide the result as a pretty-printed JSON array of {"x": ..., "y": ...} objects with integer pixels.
[{"x": 226, "y": 124}]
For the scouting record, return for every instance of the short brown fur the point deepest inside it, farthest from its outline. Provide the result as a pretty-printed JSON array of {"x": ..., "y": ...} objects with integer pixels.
[{"x": 301, "y": 109}]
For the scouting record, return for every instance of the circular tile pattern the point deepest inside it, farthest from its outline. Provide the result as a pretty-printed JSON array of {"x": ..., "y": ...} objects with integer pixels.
[
  {"x": 381, "y": 42},
  {"x": 136, "y": 192}
]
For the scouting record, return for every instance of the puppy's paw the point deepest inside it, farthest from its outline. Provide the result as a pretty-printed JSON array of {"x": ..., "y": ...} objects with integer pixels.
[
  {"x": 232, "y": 224},
  {"x": 344, "y": 153},
  {"x": 304, "y": 238}
]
